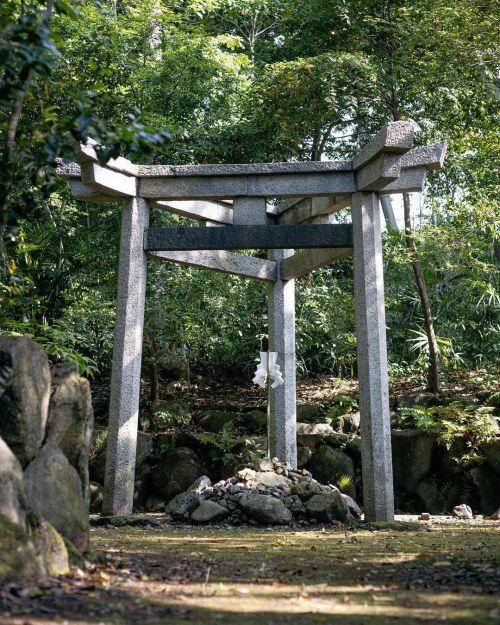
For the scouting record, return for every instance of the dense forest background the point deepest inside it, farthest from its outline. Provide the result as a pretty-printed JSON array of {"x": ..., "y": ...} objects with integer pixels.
[{"x": 207, "y": 81}]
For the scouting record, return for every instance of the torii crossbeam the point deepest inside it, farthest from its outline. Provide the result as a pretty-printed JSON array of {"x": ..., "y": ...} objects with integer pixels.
[{"x": 232, "y": 202}]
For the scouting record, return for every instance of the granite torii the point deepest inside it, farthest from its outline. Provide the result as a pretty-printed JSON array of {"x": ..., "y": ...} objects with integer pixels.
[{"x": 234, "y": 199}]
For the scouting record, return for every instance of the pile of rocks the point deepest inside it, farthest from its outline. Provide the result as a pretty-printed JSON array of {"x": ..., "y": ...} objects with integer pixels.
[{"x": 270, "y": 493}]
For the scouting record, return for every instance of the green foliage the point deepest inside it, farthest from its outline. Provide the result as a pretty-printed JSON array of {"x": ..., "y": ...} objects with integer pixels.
[
  {"x": 164, "y": 419},
  {"x": 459, "y": 426},
  {"x": 249, "y": 81},
  {"x": 340, "y": 405},
  {"x": 229, "y": 447},
  {"x": 344, "y": 483}
]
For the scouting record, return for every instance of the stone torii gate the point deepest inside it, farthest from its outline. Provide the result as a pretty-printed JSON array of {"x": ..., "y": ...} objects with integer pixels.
[{"x": 233, "y": 198}]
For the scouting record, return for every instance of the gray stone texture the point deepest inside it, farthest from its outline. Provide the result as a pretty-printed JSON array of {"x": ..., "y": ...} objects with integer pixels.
[
  {"x": 126, "y": 368},
  {"x": 245, "y": 169},
  {"x": 100, "y": 178},
  {"x": 71, "y": 419},
  {"x": 412, "y": 455},
  {"x": 183, "y": 504},
  {"x": 176, "y": 471},
  {"x": 410, "y": 180},
  {"x": 378, "y": 496},
  {"x": 250, "y": 211},
  {"x": 283, "y": 406},
  {"x": 276, "y": 185},
  {"x": 266, "y": 509},
  {"x": 379, "y": 173},
  {"x": 305, "y": 261},
  {"x": 328, "y": 507},
  {"x": 249, "y": 237},
  {"x": 394, "y": 137},
  {"x": 208, "y": 512},
  {"x": 54, "y": 492},
  {"x": 311, "y": 434},
  {"x": 215, "y": 212},
  {"x": 12, "y": 495},
  {"x": 222, "y": 261},
  {"x": 24, "y": 396}
]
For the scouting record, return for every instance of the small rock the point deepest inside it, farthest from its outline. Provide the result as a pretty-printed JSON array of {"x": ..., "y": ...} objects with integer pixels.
[
  {"x": 352, "y": 506},
  {"x": 183, "y": 504},
  {"x": 266, "y": 464},
  {"x": 462, "y": 511},
  {"x": 199, "y": 485},
  {"x": 425, "y": 516},
  {"x": 209, "y": 511},
  {"x": 246, "y": 474}
]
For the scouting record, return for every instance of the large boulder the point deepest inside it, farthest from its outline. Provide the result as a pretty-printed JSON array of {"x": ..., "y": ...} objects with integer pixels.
[
  {"x": 266, "y": 509},
  {"x": 215, "y": 420},
  {"x": 176, "y": 471},
  {"x": 487, "y": 483},
  {"x": 311, "y": 434},
  {"x": 182, "y": 505},
  {"x": 491, "y": 449},
  {"x": 412, "y": 457},
  {"x": 209, "y": 511},
  {"x": 12, "y": 497},
  {"x": 429, "y": 492},
  {"x": 38, "y": 553},
  {"x": 24, "y": 396},
  {"x": 303, "y": 456},
  {"x": 329, "y": 507},
  {"x": 71, "y": 419},
  {"x": 54, "y": 492},
  {"x": 329, "y": 465}
]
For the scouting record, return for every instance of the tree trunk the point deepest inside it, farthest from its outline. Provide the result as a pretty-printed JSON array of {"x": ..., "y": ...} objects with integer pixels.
[
  {"x": 433, "y": 378},
  {"x": 390, "y": 220}
]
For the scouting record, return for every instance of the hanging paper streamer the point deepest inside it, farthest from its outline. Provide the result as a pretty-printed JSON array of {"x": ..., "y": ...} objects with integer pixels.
[{"x": 265, "y": 366}]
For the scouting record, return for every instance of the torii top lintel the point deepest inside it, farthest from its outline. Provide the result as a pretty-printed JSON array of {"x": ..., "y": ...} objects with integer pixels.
[
  {"x": 235, "y": 196},
  {"x": 386, "y": 165}
]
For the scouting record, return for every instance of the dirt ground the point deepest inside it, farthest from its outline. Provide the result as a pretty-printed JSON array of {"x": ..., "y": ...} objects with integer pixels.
[{"x": 445, "y": 570}]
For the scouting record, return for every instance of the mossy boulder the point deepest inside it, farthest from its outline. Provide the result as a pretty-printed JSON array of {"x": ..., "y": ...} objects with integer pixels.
[
  {"x": 328, "y": 466},
  {"x": 412, "y": 458},
  {"x": 54, "y": 492},
  {"x": 215, "y": 420},
  {"x": 37, "y": 554},
  {"x": 24, "y": 401},
  {"x": 176, "y": 471},
  {"x": 12, "y": 495},
  {"x": 71, "y": 419}
]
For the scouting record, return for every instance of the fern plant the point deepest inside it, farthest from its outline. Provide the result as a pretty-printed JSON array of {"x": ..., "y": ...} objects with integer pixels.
[{"x": 460, "y": 427}]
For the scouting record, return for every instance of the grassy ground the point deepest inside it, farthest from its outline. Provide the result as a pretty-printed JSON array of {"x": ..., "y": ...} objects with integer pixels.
[{"x": 448, "y": 571}]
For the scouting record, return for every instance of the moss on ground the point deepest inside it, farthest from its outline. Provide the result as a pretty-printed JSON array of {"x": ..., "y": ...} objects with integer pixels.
[{"x": 261, "y": 577}]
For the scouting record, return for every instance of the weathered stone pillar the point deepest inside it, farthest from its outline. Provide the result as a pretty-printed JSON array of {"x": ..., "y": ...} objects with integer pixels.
[
  {"x": 378, "y": 496},
  {"x": 126, "y": 371},
  {"x": 281, "y": 321}
]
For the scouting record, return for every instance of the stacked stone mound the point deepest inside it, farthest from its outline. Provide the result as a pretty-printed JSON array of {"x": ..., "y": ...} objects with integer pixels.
[
  {"x": 271, "y": 493},
  {"x": 46, "y": 423}
]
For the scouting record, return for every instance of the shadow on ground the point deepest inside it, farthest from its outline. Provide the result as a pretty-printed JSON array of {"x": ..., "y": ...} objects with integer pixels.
[{"x": 250, "y": 576}]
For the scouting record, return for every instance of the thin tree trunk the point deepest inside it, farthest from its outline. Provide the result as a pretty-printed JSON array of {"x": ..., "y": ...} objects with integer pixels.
[
  {"x": 434, "y": 382},
  {"x": 10, "y": 140}
]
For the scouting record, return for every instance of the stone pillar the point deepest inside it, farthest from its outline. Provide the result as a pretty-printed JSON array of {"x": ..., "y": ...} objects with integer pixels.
[
  {"x": 376, "y": 459},
  {"x": 126, "y": 370},
  {"x": 281, "y": 321}
]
